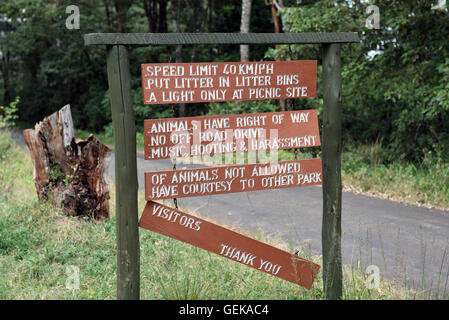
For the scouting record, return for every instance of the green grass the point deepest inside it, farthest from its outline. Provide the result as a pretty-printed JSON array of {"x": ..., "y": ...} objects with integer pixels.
[
  {"x": 364, "y": 171},
  {"x": 38, "y": 245}
]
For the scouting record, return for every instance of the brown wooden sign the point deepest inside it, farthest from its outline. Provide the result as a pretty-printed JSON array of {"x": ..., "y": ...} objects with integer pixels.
[
  {"x": 227, "y": 243},
  {"x": 227, "y": 81},
  {"x": 230, "y": 179},
  {"x": 211, "y": 135}
]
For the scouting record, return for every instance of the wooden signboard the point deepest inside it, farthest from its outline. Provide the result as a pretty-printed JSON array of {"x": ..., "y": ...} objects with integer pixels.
[
  {"x": 210, "y": 135},
  {"x": 227, "y": 243},
  {"x": 227, "y": 81},
  {"x": 253, "y": 84},
  {"x": 231, "y": 179}
]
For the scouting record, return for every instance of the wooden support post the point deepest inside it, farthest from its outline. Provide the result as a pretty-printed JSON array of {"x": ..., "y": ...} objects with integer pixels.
[
  {"x": 128, "y": 268},
  {"x": 128, "y": 264},
  {"x": 331, "y": 149}
]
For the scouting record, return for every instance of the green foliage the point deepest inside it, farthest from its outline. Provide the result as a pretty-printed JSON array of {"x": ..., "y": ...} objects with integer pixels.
[
  {"x": 395, "y": 87},
  {"x": 231, "y": 107},
  {"x": 57, "y": 177},
  {"x": 8, "y": 114},
  {"x": 55, "y": 174},
  {"x": 50, "y": 66},
  {"x": 142, "y": 112}
]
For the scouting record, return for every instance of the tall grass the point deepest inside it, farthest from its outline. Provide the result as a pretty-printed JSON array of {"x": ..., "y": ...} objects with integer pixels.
[
  {"x": 365, "y": 170},
  {"x": 38, "y": 245}
]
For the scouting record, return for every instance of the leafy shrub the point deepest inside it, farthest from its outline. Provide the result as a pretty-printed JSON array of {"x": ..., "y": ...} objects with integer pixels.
[
  {"x": 9, "y": 113},
  {"x": 394, "y": 87}
]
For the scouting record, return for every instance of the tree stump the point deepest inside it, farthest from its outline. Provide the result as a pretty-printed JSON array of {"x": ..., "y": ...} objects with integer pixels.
[{"x": 67, "y": 170}]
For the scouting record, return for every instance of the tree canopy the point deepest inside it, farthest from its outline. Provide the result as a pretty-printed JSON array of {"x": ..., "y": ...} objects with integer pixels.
[{"x": 395, "y": 82}]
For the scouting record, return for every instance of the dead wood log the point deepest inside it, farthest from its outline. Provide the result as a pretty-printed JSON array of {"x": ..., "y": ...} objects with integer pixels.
[{"x": 67, "y": 170}]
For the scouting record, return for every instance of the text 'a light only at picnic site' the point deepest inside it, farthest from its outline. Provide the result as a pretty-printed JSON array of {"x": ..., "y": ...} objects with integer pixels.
[{"x": 228, "y": 81}]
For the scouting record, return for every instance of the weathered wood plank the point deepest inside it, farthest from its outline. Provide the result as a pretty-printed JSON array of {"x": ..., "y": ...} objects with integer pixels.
[
  {"x": 229, "y": 179},
  {"x": 229, "y": 244},
  {"x": 248, "y": 132},
  {"x": 227, "y": 81},
  {"x": 128, "y": 264},
  {"x": 219, "y": 38},
  {"x": 331, "y": 150}
]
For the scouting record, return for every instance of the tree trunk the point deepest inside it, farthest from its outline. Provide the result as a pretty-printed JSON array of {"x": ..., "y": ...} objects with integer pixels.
[
  {"x": 156, "y": 13},
  {"x": 5, "y": 69},
  {"x": 277, "y": 29},
  {"x": 121, "y": 7},
  {"x": 175, "y": 13},
  {"x": 108, "y": 13},
  {"x": 244, "y": 28},
  {"x": 67, "y": 170},
  {"x": 162, "y": 19},
  {"x": 149, "y": 6}
]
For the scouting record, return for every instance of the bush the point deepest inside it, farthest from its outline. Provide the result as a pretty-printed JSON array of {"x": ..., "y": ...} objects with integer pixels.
[{"x": 9, "y": 113}]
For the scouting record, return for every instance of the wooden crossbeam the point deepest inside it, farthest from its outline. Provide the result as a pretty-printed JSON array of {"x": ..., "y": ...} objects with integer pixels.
[{"x": 219, "y": 38}]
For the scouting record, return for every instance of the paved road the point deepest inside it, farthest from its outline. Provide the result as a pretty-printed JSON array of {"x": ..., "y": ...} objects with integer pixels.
[{"x": 409, "y": 244}]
